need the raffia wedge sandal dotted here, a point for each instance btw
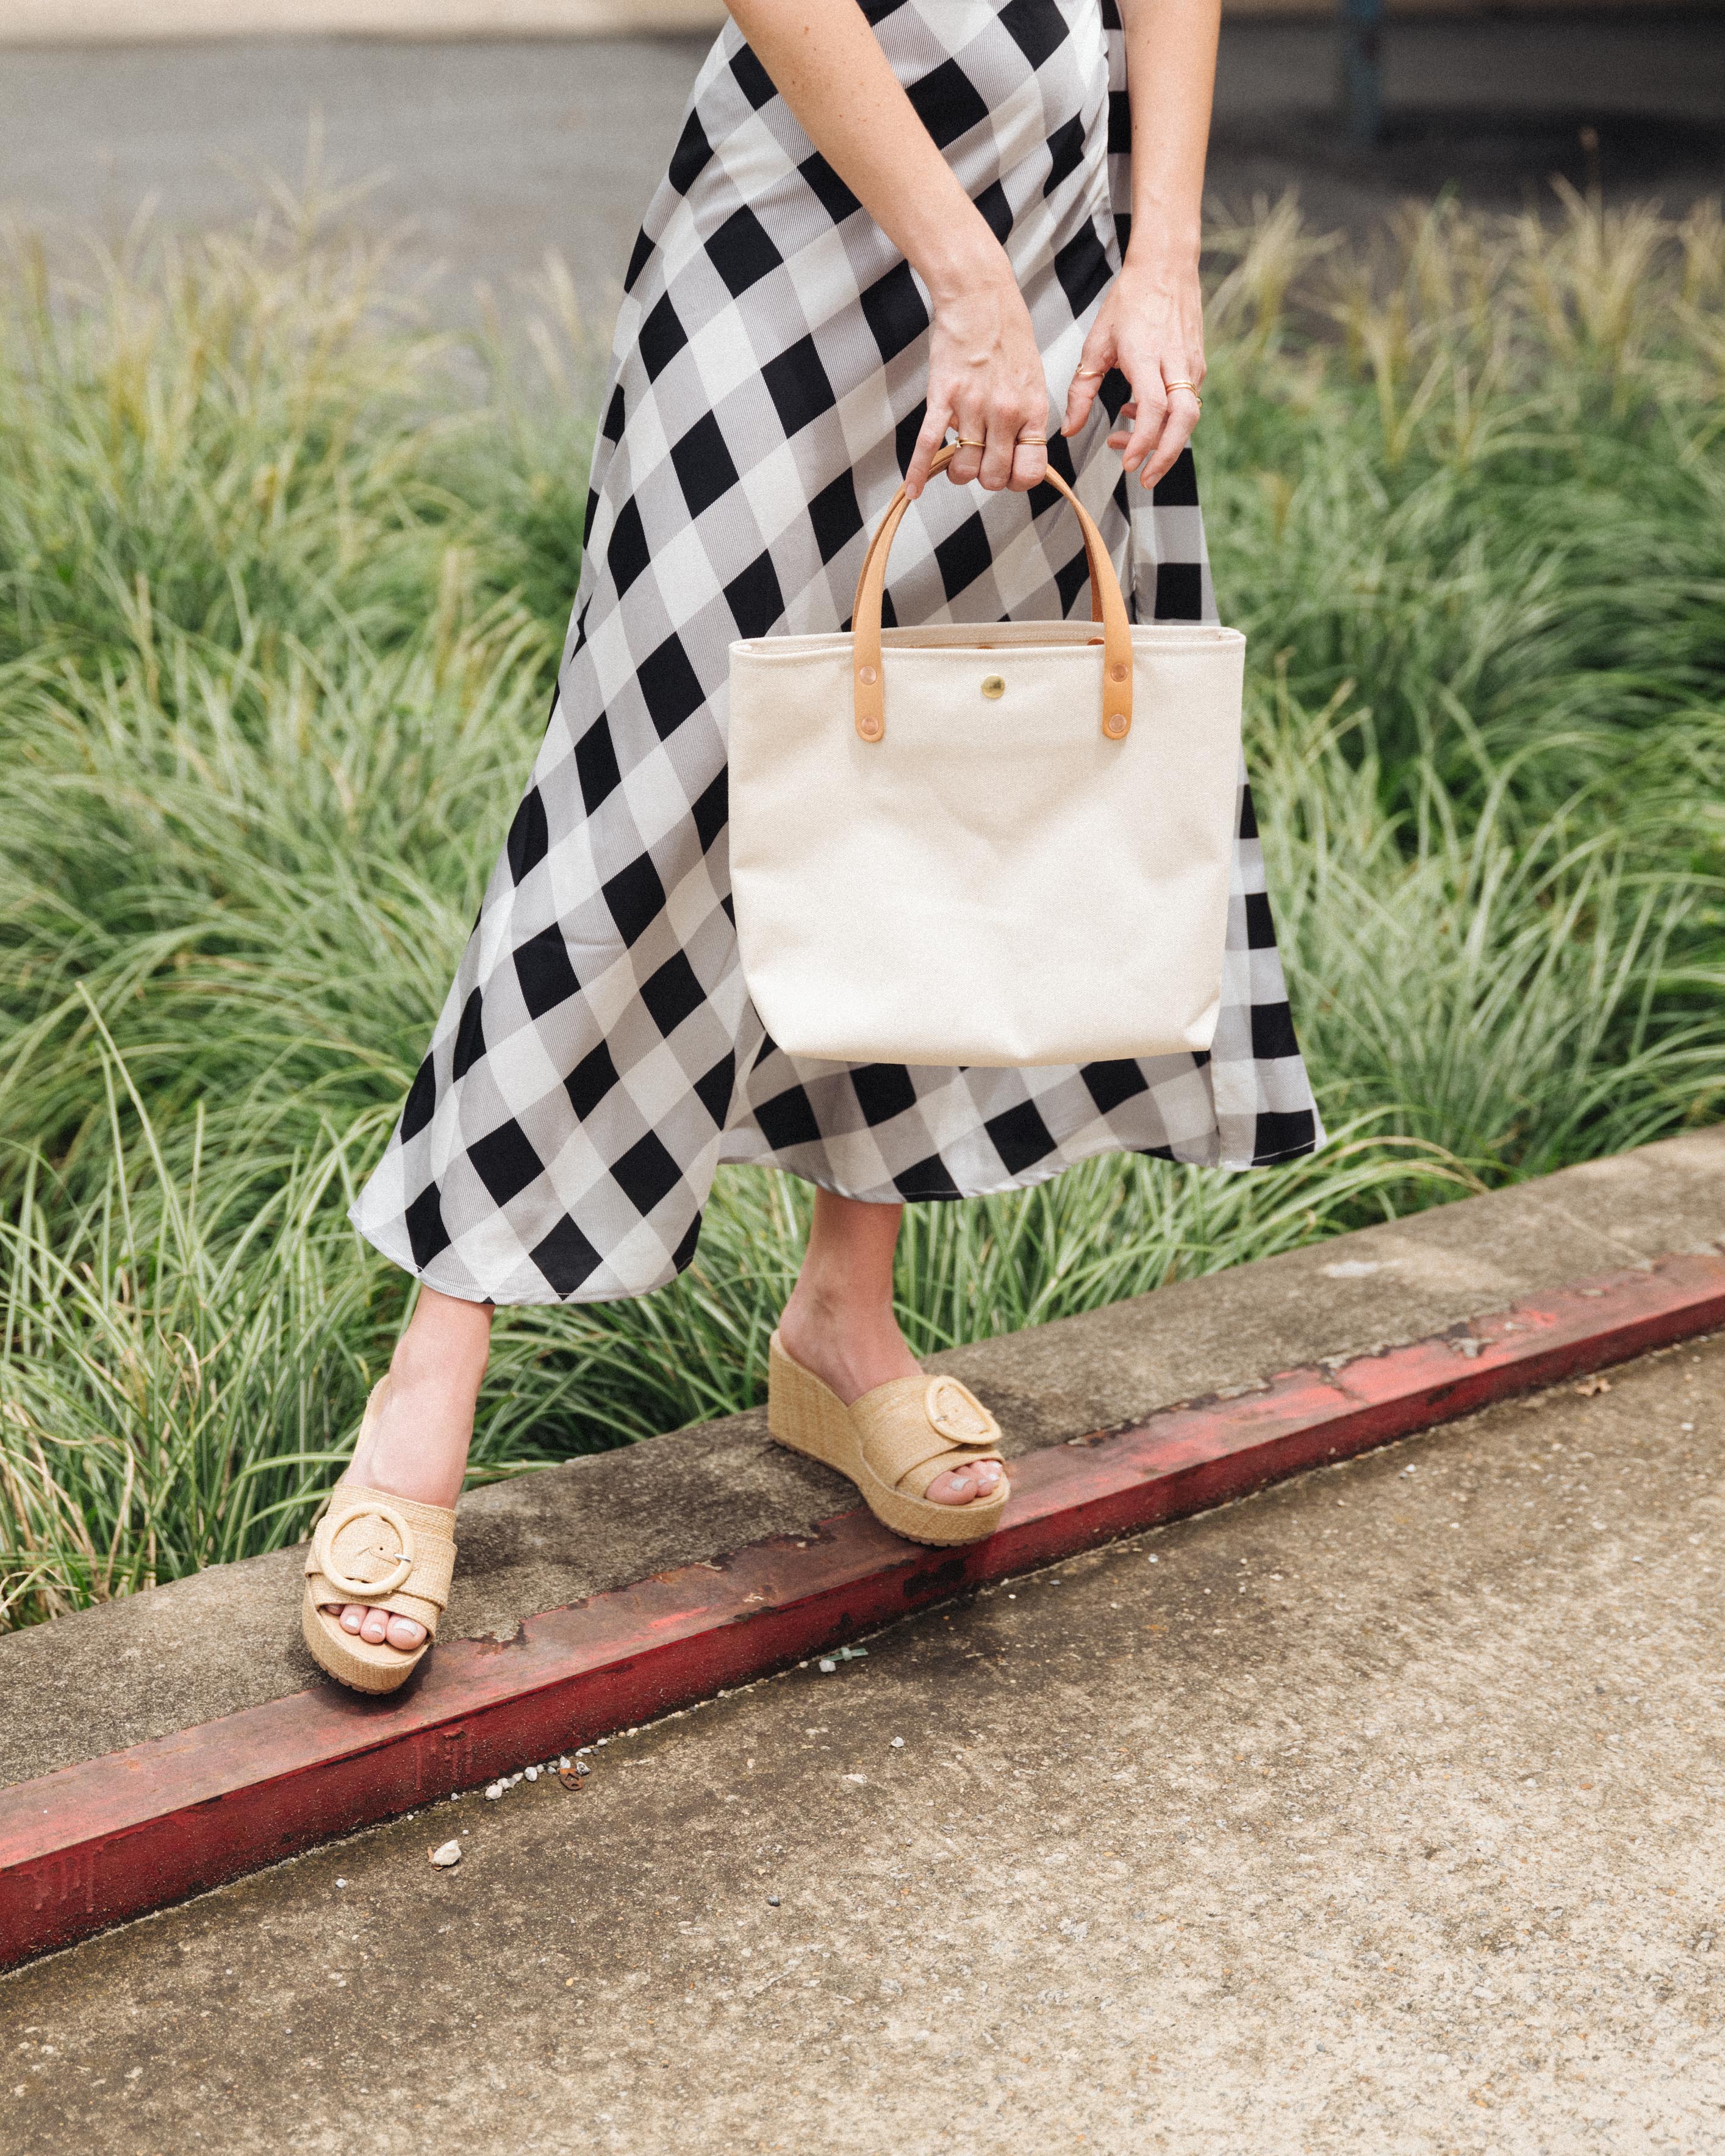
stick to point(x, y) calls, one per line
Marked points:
point(386, 1553)
point(892, 1443)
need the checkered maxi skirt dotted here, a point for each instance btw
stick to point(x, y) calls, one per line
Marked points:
point(598, 1056)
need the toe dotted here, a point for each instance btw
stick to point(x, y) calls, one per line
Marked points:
point(962, 1485)
point(405, 1634)
point(956, 1486)
point(352, 1617)
point(376, 1624)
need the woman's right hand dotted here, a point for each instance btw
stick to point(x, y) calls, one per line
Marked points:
point(986, 383)
point(985, 375)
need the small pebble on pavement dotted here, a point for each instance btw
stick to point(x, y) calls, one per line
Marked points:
point(450, 1854)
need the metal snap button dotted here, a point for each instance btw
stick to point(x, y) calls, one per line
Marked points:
point(1116, 672)
point(1115, 725)
point(993, 686)
point(865, 673)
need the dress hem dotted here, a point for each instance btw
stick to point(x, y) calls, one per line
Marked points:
point(551, 1300)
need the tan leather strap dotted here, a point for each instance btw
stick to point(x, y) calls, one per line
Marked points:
point(943, 457)
point(868, 682)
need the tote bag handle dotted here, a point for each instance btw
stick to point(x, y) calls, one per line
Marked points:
point(1106, 604)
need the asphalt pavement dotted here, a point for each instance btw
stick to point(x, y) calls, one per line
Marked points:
point(1381, 1812)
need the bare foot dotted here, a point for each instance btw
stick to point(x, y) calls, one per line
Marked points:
point(854, 1354)
point(417, 1447)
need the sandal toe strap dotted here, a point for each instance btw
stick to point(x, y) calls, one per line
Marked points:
point(914, 1429)
point(419, 1608)
point(383, 1553)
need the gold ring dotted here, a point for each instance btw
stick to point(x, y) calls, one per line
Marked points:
point(1191, 386)
point(1089, 373)
point(1030, 439)
point(963, 444)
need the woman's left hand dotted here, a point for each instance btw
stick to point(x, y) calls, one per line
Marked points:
point(1150, 325)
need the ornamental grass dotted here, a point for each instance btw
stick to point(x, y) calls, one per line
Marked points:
point(284, 577)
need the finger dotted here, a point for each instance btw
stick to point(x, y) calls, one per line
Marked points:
point(1121, 432)
point(1030, 463)
point(932, 433)
point(1094, 362)
point(997, 457)
point(1152, 401)
point(968, 460)
point(1183, 410)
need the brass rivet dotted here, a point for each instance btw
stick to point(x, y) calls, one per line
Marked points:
point(1115, 725)
point(1116, 672)
point(993, 686)
point(865, 673)
point(870, 729)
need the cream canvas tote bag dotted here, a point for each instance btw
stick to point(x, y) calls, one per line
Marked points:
point(1005, 844)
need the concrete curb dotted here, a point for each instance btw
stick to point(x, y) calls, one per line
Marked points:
point(111, 1838)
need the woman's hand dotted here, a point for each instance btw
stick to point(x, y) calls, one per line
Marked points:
point(985, 373)
point(985, 382)
point(1150, 325)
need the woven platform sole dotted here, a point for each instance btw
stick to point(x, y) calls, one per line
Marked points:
point(353, 1661)
point(805, 1415)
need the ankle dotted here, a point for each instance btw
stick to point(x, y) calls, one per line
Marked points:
point(445, 1348)
point(834, 1302)
point(851, 1341)
point(419, 1444)
point(453, 1377)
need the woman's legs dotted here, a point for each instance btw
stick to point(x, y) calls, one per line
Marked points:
point(419, 1444)
point(839, 1321)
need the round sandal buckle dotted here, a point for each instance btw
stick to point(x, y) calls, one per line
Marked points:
point(344, 1583)
point(956, 1412)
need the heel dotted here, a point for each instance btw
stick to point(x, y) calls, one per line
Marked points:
point(806, 1415)
point(892, 1443)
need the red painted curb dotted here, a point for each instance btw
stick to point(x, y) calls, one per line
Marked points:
point(114, 1837)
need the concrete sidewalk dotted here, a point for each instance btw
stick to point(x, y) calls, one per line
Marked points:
point(1380, 1813)
point(227, 1639)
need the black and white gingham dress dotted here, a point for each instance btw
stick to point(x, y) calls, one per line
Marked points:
point(598, 1056)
